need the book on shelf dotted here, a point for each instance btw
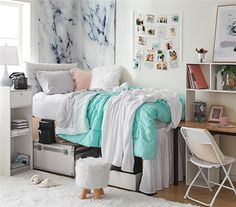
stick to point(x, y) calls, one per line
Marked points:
point(19, 121)
point(197, 80)
point(18, 132)
point(191, 79)
point(20, 169)
point(21, 163)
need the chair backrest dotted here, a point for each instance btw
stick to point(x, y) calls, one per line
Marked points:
point(202, 144)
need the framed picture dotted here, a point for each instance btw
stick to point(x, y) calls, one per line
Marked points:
point(216, 113)
point(225, 34)
point(200, 111)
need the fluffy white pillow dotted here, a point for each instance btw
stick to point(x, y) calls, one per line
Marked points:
point(55, 82)
point(106, 77)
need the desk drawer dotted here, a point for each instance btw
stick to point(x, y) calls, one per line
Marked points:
point(21, 99)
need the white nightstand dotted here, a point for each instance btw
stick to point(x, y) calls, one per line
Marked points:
point(14, 104)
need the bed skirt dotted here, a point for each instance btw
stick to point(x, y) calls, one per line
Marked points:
point(157, 174)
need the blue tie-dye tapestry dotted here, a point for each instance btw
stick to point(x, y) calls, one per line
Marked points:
point(80, 31)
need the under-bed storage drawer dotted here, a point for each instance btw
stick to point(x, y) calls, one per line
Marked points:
point(58, 158)
point(125, 180)
point(21, 98)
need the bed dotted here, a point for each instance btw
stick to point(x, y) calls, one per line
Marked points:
point(157, 167)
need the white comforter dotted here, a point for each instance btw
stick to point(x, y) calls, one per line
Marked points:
point(117, 145)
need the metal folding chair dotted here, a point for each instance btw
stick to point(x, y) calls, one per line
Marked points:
point(202, 137)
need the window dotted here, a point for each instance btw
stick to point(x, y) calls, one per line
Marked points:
point(15, 29)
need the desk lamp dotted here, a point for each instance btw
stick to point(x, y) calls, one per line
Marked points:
point(8, 56)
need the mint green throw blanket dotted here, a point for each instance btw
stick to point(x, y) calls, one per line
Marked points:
point(144, 127)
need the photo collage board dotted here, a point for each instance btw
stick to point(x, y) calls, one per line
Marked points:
point(157, 40)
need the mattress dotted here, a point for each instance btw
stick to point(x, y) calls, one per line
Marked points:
point(47, 106)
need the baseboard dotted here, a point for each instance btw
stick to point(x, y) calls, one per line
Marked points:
point(232, 177)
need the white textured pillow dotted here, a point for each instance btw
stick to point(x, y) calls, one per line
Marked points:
point(106, 77)
point(33, 68)
point(55, 82)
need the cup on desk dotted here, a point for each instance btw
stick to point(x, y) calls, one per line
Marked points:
point(224, 121)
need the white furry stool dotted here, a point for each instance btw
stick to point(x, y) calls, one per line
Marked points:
point(92, 173)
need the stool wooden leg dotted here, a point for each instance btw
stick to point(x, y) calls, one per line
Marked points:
point(84, 193)
point(97, 193)
point(101, 191)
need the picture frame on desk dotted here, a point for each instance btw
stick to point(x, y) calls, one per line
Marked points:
point(200, 111)
point(225, 32)
point(216, 113)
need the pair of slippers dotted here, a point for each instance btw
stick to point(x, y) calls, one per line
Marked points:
point(43, 183)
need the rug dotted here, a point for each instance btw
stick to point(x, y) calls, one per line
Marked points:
point(17, 191)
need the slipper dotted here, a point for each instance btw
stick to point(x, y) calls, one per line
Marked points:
point(47, 183)
point(36, 179)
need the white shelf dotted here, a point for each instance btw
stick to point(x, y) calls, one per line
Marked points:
point(15, 104)
point(21, 134)
point(211, 91)
point(23, 106)
point(223, 91)
point(200, 90)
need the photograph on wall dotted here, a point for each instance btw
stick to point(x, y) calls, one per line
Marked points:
point(161, 65)
point(159, 36)
point(139, 54)
point(150, 18)
point(149, 57)
point(162, 19)
point(151, 30)
point(225, 34)
point(142, 40)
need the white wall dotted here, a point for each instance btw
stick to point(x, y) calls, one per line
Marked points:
point(197, 31)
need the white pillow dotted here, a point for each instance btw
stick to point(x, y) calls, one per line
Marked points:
point(106, 77)
point(55, 82)
point(33, 68)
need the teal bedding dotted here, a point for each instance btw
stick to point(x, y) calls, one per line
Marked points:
point(144, 127)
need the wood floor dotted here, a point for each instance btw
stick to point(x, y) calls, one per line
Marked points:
point(226, 198)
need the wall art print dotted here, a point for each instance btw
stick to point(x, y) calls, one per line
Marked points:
point(157, 40)
point(225, 34)
point(80, 31)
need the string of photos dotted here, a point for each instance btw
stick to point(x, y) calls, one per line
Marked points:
point(156, 40)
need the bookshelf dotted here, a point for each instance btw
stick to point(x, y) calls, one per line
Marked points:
point(211, 96)
point(17, 143)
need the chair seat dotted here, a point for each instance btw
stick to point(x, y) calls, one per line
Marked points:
point(205, 164)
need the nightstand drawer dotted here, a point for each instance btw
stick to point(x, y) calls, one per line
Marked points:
point(21, 98)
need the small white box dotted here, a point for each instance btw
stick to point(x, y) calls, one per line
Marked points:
point(125, 180)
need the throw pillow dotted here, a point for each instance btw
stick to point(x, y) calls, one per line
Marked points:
point(55, 82)
point(106, 77)
point(81, 78)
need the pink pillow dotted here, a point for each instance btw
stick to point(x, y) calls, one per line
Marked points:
point(82, 79)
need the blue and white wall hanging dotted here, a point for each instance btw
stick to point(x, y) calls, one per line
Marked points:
point(80, 31)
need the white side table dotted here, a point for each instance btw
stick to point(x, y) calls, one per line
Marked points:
point(14, 104)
